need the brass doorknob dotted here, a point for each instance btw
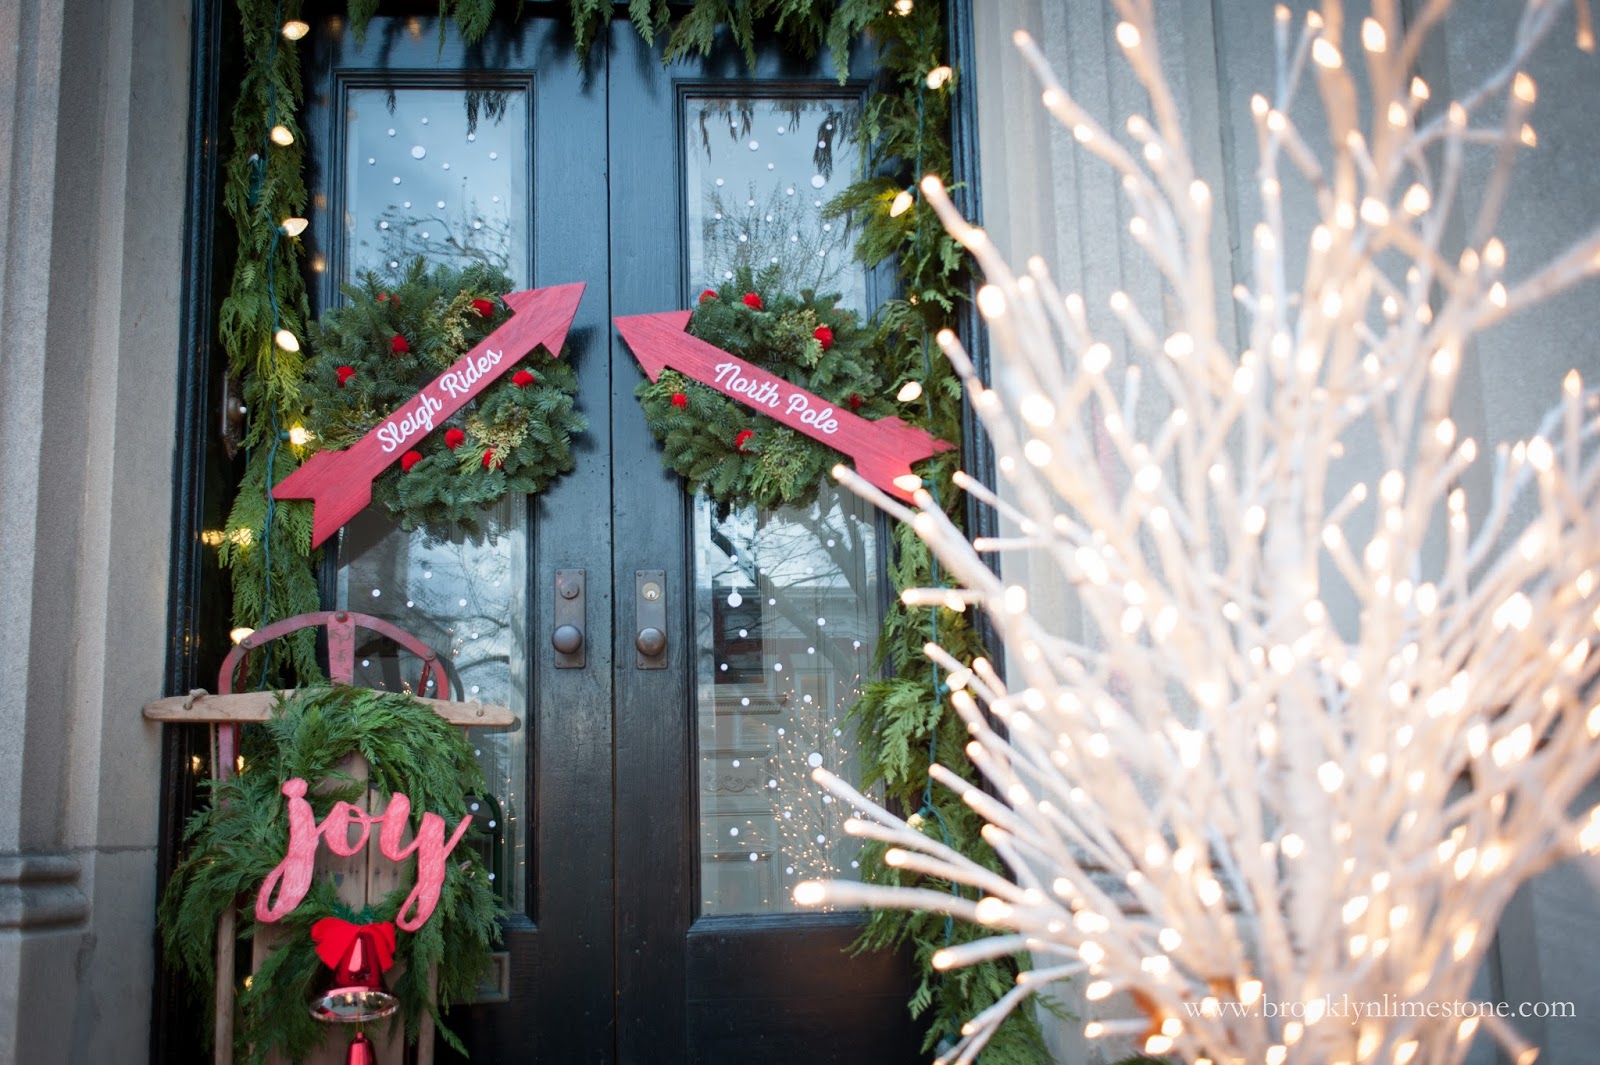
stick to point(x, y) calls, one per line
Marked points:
point(567, 638)
point(650, 641)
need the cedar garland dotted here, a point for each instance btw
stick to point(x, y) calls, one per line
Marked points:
point(905, 720)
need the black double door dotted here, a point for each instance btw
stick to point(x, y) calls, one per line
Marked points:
point(615, 952)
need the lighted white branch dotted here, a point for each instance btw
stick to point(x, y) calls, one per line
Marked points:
point(1222, 790)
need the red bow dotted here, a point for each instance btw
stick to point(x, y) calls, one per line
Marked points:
point(336, 940)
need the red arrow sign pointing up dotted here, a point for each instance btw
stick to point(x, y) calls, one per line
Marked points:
point(339, 483)
point(882, 449)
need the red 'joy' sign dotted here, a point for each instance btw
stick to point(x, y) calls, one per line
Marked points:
point(339, 483)
point(882, 449)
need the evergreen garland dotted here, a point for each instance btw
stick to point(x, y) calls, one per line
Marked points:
point(743, 458)
point(389, 340)
point(905, 720)
point(241, 838)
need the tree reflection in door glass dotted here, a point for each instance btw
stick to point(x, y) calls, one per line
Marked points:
point(787, 616)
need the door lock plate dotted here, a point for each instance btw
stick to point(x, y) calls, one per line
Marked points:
point(650, 618)
point(566, 621)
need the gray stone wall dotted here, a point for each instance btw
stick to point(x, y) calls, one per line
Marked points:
point(1040, 196)
point(93, 99)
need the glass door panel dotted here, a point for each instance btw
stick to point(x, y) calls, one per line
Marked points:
point(443, 173)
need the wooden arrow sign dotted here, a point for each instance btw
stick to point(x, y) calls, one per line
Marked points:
point(883, 450)
point(339, 483)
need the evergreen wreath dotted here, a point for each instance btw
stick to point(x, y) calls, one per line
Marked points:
point(743, 458)
point(240, 839)
point(387, 342)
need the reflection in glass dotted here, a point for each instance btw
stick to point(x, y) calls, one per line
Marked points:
point(442, 173)
point(786, 616)
point(759, 173)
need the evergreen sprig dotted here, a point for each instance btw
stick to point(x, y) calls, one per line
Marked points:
point(700, 429)
point(232, 847)
point(391, 338)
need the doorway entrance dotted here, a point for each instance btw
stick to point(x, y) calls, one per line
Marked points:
point(652, 810)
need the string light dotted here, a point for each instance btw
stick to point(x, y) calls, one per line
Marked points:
point(293, 227)
point(1223, 671)
point(281, 136)
point(902, 7)
point(909, 392)
point(902, 203)
point(286, 340)
point(298, 435)
point(938, 76)
point(240, 634)
point(294, 29)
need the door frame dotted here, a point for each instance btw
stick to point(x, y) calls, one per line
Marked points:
point(203, 476)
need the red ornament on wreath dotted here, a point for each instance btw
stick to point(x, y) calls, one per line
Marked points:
point(484, 308)
point(399, 345)
point(454, 438)
point(680, 400)
point(824, 336)
point(522, 379)
point(344, 374)
point(743, 438)
point(410, 459)
point(753, 301)
point(708, 294)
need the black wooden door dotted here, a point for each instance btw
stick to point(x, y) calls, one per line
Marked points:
point(645, 927)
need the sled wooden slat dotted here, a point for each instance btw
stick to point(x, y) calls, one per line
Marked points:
point(247, 707)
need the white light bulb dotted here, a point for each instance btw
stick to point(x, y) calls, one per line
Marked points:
point(902, 203)
point(294, 29)
point(281, 136)
point(293, 227)
point(938, 76)
point(286, 340)
point(909, 391)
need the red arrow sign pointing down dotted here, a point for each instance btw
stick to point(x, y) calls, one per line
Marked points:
point(339, 483)
point(882, 449)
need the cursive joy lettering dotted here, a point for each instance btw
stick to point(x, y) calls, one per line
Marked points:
point(459, 382)
point(730, 380)
point(292, 877)
point(419, 419)
point(823, 419)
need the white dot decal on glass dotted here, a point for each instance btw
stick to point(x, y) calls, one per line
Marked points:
point(822, 253)
point(406, 204)
point(371, 161)
point(474, 636)
point(478, 752)
point(755, 146)
point(789, 191)
point(365, 663)
point(856, 644)
point(396, 179)
point(772, 166)
point(383, 225)
point(494, 199)
point(822, 144)
point(777, 667)
point(410, 603)
point(427, 574)
point(736, 763)
point(734, 599)
point(772, 602)
point(719, 183)
point(789, 869)
point(491, 876)
point(440, 205)
point(424, 234)
point(772, 782)
point(393, 263)
point(827, 125)
point(774, 258)
point(494, 155)
point(782, 731)
point(811, 650)
point(492, 824)
point(461, 602)
point(494, 583)
point(723, 667)
point(827, 799)
point(717, 216)
point(827, 227)
point(733, 831)
point(474, 807)
point(821, 838)
point(782, 130)
point(816, 203)
point(424, 120)
point(418, 151)
point(376, 592)
point(855, 865)
point(745, 701)
point(391, 132)
point(744, 632)
point(813, 759)
point(836, 732)
point(727, 275)
point(447, 166)
point(749, 203)
point(743, 238)
point(806, 698)
point(477, 225)
point(794, 238)
point(754, 857)
point(787, 816)
point(474, 688)
point(824, 621)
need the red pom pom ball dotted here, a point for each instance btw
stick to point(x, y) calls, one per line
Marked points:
point(753, 301)
point(484, 307)
point(824, 336)
point(680, 400)
point(345, 373)
point(522, 379)
point(743, 438)
point(454, 438)
point(410, 459)
point(708, 294)
point(399, 344)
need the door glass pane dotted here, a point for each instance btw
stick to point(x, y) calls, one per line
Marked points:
point(786, 601)
point(443, 173)
point(440, 173)
point(760, 172)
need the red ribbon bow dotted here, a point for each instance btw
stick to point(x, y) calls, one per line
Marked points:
point(337, 940)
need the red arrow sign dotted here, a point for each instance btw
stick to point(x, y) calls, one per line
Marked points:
point(339, 483)
point(882, 449)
